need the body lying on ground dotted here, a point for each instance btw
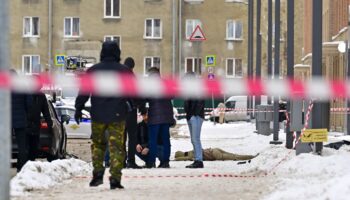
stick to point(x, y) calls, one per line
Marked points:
point(212, 154)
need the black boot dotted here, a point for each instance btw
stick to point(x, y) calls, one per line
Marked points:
point(150, 165)
point(97, 179)
point(164, 164)
point(196, 164)
point(114, 183)
point(132, 165)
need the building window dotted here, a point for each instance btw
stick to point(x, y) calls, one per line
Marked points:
point(191, 24)
point(116, 38)
point(112, 8)
point(194, 65)
point(234, 68)
point(151, 62)
point(153, 29)
point(31, 64)
point(237, 1)
point(71, 27)
point(234, 30)
point(194, 1)
point(31, 27)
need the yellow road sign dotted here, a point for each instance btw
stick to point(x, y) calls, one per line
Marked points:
point(314, 135)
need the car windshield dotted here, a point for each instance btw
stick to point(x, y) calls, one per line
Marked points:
point(64, 111)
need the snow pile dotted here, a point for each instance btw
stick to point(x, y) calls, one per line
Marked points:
point(309, 176)
point(43, 175)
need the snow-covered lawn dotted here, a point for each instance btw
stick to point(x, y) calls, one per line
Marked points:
point(305, 176)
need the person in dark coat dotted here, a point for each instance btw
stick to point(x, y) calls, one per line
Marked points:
point(39, 105)
point(20, 105)
point(159, 118)
point(194, 109)
point(108, 113)
point(131, 125)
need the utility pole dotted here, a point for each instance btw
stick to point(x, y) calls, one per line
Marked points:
point(276, 126)
point(258, 46)
point(258, 54)
point(5, 116)
point(290, 64)
point(173, 69)
point(318, 118)
point(250, 47)
point(269, 44)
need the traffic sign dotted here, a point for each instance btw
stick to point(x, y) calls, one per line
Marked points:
point(197, 34)
point(210, 61)
point(60, 60)
point(211, 76)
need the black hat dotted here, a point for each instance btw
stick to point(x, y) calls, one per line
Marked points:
point(129, 62)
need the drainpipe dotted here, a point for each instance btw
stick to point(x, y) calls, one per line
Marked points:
point(174, 39)
point(348, 73)
point(180, 36)
point(50, 37)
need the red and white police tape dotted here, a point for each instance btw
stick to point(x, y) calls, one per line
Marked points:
point(107, 84)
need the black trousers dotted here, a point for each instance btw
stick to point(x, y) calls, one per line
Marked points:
point(33, 144)
point(131, 134)
point(22, 143)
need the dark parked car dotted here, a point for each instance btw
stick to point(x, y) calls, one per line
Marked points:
point(52, 143)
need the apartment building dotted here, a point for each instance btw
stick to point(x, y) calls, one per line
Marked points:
point(153, 32)
point(41, 29)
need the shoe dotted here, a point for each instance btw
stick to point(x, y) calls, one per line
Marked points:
point(107, 164)
point(114, 183)
point(132, 165)
point(196, 164)
point(150, 165)
point(164, 164)
point(97, 179)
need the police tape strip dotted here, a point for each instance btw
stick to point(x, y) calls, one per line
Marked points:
point(107, 84)
point(335, 109)
point(307, 119)
point(185, 176)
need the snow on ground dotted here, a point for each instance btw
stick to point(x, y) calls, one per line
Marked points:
point(43, 175)
point(306, 176)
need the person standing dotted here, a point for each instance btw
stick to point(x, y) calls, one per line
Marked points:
point(159, 119)
point(20, 105)
point(131, 125)
point(194, 109)
point(108, 113)
point(39, 105)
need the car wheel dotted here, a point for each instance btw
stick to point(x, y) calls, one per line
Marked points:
point(51, 157)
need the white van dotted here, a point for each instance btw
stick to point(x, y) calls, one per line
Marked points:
point(235, 109)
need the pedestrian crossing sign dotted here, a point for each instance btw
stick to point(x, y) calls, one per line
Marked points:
point(60, 60)
point(210, 61)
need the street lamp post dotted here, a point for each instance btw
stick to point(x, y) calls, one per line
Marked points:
point(276, 127)
point(318, 117)
point(290, 63)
